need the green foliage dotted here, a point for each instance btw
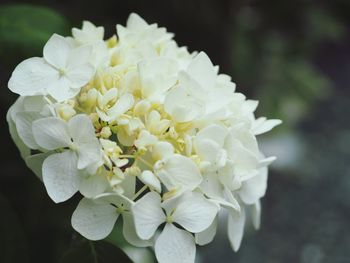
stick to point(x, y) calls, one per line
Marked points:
point(94, 252)
point(24, 29)
point(272, 56)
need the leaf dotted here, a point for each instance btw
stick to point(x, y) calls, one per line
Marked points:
point(95, 252)
point(24, 29)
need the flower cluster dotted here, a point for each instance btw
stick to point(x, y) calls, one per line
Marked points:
point(144, 130)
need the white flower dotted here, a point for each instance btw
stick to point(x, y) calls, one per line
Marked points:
point(178, 171)
point(60, 73)
point(111, 107)
point(157, 76)
point(196, 95)
point(95, 218)
point(80, 150)
point(138, 32)
point(192, 212)
point(89, 34)
point(143, 129)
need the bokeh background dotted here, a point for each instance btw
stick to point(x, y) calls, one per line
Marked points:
point(294, 56)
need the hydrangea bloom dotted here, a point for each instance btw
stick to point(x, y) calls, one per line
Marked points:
point(145, 131)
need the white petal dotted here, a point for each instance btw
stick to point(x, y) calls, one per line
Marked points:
point(145, 139)
point(60, 176)
point(149, 179)
point(34, 103)
point(235, 229)
point(267, 161)
point(211, 186)
point(32, 76)
point(61, 89)
point(181, 106)
point(262, 125)
point(135, 22)
point(81, 128)
point(80, 76)
point(35, 163)
point(202, 70)
point(117, 200)
point(179, 170)
point(128, 184)
point(253, 189)
point(207, 150)
point(123, 104)
point(162, 150)
point(213, 132)
point(207, 235)
point(24, 122)
point(79, 56)
point(94, 221)
point(57, 51)
point(255, 211)
point(175, 245)
point(51, 133)
point(246, 162)
point(90, 155)
point(24, 150)
point(157, 76)
point(129, 232)
point(93, 185)
point(195, 213)
point(148, 215)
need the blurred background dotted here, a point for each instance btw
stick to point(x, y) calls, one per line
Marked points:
point(293, 56)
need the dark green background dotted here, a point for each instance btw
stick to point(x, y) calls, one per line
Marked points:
point(294, 56)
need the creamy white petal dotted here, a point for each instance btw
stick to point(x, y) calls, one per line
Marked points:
point(116, 199)
point(202, 70)
point(181, 106)
point(93, 185)
point(175, 245)
point(23, 149)
point(207, 235)
point(149, 179)
point(61, 89)
point(24, 122)
point(235, 228)
point(255, 212)
point(51, 133)
point(157, 76)
point(80, 76)
point(129, 232)
point(267, 161)
point(32, 76)
point(89, 154)
point(128, 184)
point(195, 213)
point(262, 125)
point(94, 221)
point(57, 51)
point(79, 57)
point(179, 170)
point(81, 129)
point(207, 150)
point(148, 215)
point(253, 189)
point(123, 104)
point(213, 132)
point(135, 22)
point(60, 176)
point(35, 163)
point(162, 150)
